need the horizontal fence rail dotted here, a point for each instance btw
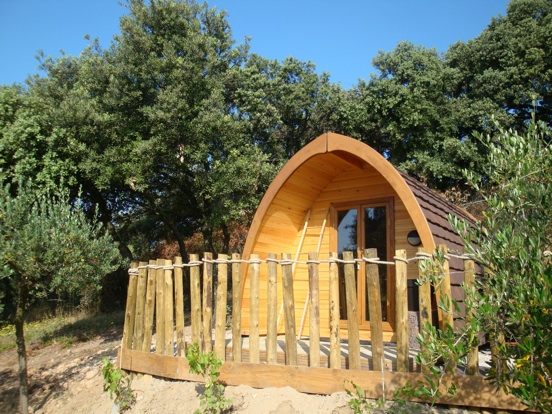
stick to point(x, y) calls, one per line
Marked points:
point(171, 304)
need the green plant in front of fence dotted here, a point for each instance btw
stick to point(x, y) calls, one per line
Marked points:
point(438, 344)
point(513, 300)
point(358, 401)
point(212, 401)
point(118, 383)
point(441, 349)
point(360, 404)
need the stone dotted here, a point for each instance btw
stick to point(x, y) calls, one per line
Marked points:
point(285, 408)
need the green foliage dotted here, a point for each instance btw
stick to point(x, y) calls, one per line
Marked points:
point(422, 107)
point(360, 404)
point(49, 245)
point(118, 383)
point(513, 300)
point(212, 401)
point(442, 349)
point(358, 401)
point(156, 143)
point(407, 114)
point(30, 149)
point(438, 345)
point(508, 64)
point(286, 104)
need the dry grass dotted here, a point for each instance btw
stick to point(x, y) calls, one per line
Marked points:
point(64, 329)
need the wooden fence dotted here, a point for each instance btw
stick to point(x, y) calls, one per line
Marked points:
point(161, 321)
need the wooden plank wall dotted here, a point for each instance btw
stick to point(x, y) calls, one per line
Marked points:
point(156, 301)
point(311, 192)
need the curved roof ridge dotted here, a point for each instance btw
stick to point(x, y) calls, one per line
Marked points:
point(427, 208)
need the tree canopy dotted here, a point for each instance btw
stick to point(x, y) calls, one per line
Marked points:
point(175, 130)
point(407, 114)
point(48, 244)
point(509, 63)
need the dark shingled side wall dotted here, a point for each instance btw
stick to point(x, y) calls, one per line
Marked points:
point(436, 210)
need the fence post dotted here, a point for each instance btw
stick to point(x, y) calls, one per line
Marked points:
point(272, 311)
point(254, 309)
point(169, 309)
point(289, 311)
point(424, 299)
point(159, 308)
point(140, 305)
point(374, 304)
point(236, 308)
point(424, 293)
point(130, 313)
point(207, 302)
point(314, 312)
point(352, 311)
point(446, 297)
point(195, 298)
point(222, 296)
point(150, 307)
point(469, 280)
point(445, 292)
point(401, 312)
point(179, 307)
point(335, 354)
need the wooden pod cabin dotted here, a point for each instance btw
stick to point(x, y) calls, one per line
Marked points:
point(339, 194)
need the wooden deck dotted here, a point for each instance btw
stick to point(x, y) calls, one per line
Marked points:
point(303, 349)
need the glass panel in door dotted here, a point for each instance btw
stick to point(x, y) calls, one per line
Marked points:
point(347, 240)
point(375, 237)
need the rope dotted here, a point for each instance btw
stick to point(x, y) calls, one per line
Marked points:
point(401, 259)
point(286, 262)
point(241, 261)
point(376, 260)
point(423, 256)
point(461, 256)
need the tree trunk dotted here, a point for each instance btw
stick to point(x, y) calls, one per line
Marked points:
point(123, 248)
point(208, 241)
point(226, 238)
point(21, 351)
point(179, 240)
point(105, 216)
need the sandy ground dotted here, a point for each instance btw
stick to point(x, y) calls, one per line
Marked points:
point(69, 381)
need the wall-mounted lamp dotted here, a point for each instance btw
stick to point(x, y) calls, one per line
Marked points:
point(414, 238)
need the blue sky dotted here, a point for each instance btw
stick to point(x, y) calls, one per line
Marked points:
point(340, 37)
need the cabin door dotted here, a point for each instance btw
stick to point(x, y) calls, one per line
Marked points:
point(361, 226)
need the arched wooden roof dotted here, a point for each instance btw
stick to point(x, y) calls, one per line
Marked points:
point(427, 209)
